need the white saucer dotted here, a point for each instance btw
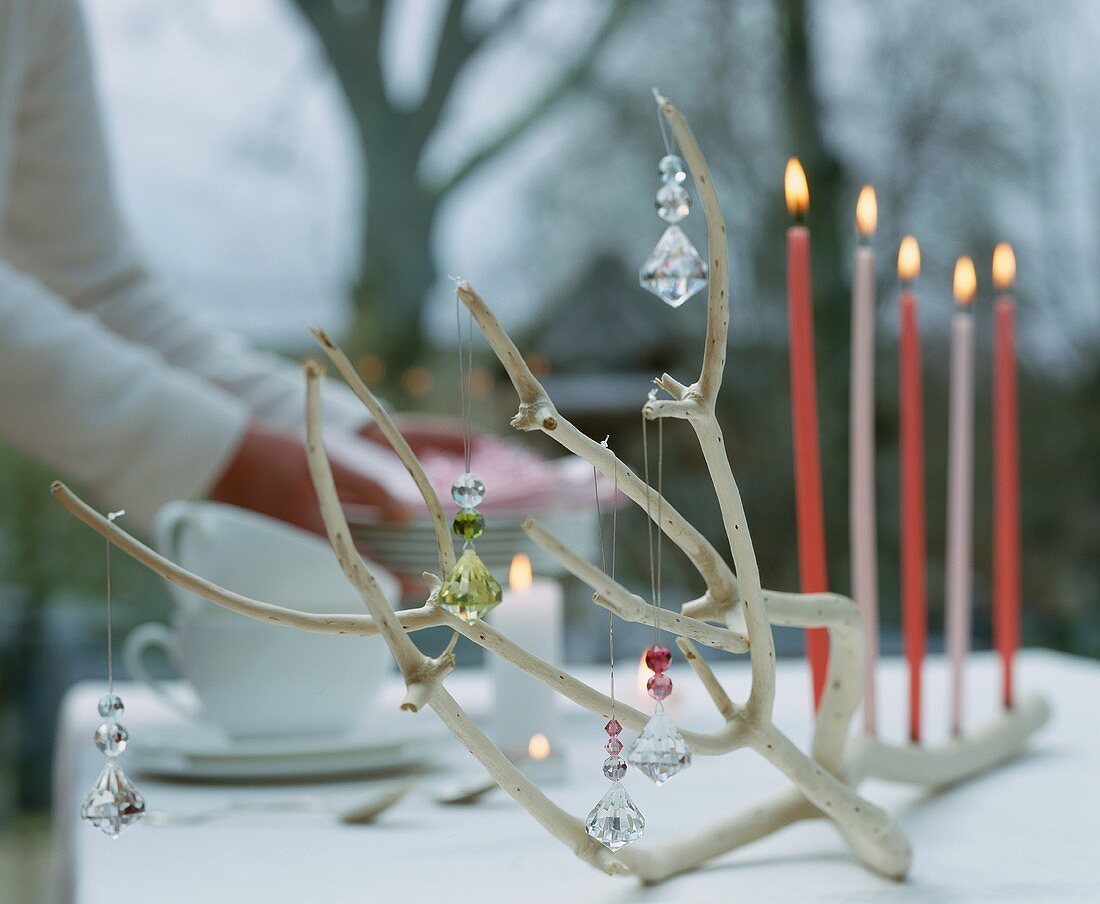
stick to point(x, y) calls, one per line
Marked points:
point(200, 751)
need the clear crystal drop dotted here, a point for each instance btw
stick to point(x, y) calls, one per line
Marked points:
point(113, 803)
point(671, 168)
point(616, 820)
point(468, 491)
point(675, 270)
point(111, 738)
point(614, 767)
point(673, 202)
point(471, 590)
point(660, 751)
point(110, 706)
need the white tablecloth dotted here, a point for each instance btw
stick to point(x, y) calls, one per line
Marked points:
point(1028, 832)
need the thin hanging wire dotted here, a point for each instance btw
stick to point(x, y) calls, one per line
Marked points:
point(110, 614)
point(660, 506)
point(654, 588)
point(603, 557)
point(465, 378)
point(666, 133)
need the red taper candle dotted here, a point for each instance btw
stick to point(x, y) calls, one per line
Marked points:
point(813, 574)
point(1006, 472)
point(914, 603)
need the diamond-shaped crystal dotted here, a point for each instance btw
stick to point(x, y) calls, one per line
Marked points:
point(616, 820)
point(660, 751)
point(471, 590)
point(675, 270)
point(113, 803)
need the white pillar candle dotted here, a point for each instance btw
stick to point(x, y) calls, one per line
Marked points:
point(960, 484)
point(531, 616)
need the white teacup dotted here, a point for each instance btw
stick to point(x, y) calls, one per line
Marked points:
point(251, 678)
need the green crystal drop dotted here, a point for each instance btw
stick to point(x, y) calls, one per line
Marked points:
point(471, 590)
point(468, 524)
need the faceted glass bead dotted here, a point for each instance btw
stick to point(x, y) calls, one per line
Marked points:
point(675, 270)
point(614, 746)
point(613, 727)
point(110, 706)
point(111, 738)
point(469, 524)
point(658, 658)
point(659, 686)
point(616, 820)
point(471, 590)
point(468, 491)
point(614, 767)
point(113, 803)
point(671, 168)
point(673, 202)
point(660, 751)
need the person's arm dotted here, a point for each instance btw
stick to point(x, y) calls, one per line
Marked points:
point(63, 226)
point(106, 412)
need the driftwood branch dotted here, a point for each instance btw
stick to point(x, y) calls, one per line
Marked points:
point(612, 595)
point(400, 446)
point(825, 781)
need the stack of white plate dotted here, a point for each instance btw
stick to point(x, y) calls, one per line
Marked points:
point(408, 549)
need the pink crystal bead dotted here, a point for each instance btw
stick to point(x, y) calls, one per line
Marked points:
point(613, 746)
point(659, 686)
point(613, 727)
point(658, 658)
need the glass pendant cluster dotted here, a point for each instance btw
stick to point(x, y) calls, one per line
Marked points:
point(616, 820)
point(113, 804)
point(674, 270)
point(470, 590)
point(660, 751)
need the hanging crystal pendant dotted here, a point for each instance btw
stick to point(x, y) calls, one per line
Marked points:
point(675, 270)
point(114, 803)
point(471, 590)
point(616, 820)
point(660, 751)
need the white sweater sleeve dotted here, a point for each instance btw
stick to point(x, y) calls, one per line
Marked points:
point(104, 411)
point(63, 226)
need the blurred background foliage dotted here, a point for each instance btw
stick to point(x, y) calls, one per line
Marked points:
point(345, 156)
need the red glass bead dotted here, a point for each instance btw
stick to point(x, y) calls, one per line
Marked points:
point(659, 686)
point(658, 658)
point(613, 727)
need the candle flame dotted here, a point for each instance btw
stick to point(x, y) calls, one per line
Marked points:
point(908, 259)
point(796, 189)
point(1004, 266)
point(966, 280)
point(519, 575)
point(538, 748)
point(866, 212)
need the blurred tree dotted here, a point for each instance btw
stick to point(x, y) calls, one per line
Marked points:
point(400, 205)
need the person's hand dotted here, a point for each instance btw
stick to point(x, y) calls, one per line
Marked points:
point(422, 432)
point(269, 474)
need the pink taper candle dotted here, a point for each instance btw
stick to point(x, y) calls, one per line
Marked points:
point(1006, 473)
point(810, 520)
point(861, 468)
point(960, 486)
point(914, 601)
